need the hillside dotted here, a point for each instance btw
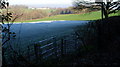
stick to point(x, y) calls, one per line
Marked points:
point(86, 16)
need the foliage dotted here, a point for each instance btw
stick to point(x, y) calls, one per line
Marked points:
point(36, 13)
point(108, 31)
point(86, 35)
point(102, 42)
point(61, 11)
point(27, 14)
point(102, 34)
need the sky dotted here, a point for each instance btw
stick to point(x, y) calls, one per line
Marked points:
point(43, 3)
point(31, 2)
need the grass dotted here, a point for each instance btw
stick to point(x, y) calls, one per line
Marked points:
point(86, 16)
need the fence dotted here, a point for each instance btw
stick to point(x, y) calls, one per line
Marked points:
point(51, 48)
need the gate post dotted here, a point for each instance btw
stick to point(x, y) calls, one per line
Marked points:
point(36, 52)
point(55, 46)
point(62, 42)
point(28, 53)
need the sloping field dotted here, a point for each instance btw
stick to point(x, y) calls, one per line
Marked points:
point(86, 16)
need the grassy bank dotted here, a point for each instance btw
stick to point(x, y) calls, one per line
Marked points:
point(86, 16)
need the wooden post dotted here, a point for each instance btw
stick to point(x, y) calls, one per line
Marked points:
point(36, 52)
point(55, 46)
point(39, 53)
point(28, 53)
point(62, 42)
point(102, 10)
point(76, 43)
point(64, 46)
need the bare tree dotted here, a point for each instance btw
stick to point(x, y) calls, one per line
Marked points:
point(107, 7)
point(82, 4)
point(6, 20)
point(10, 56)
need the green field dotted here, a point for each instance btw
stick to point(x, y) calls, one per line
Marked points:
point(86, 16)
